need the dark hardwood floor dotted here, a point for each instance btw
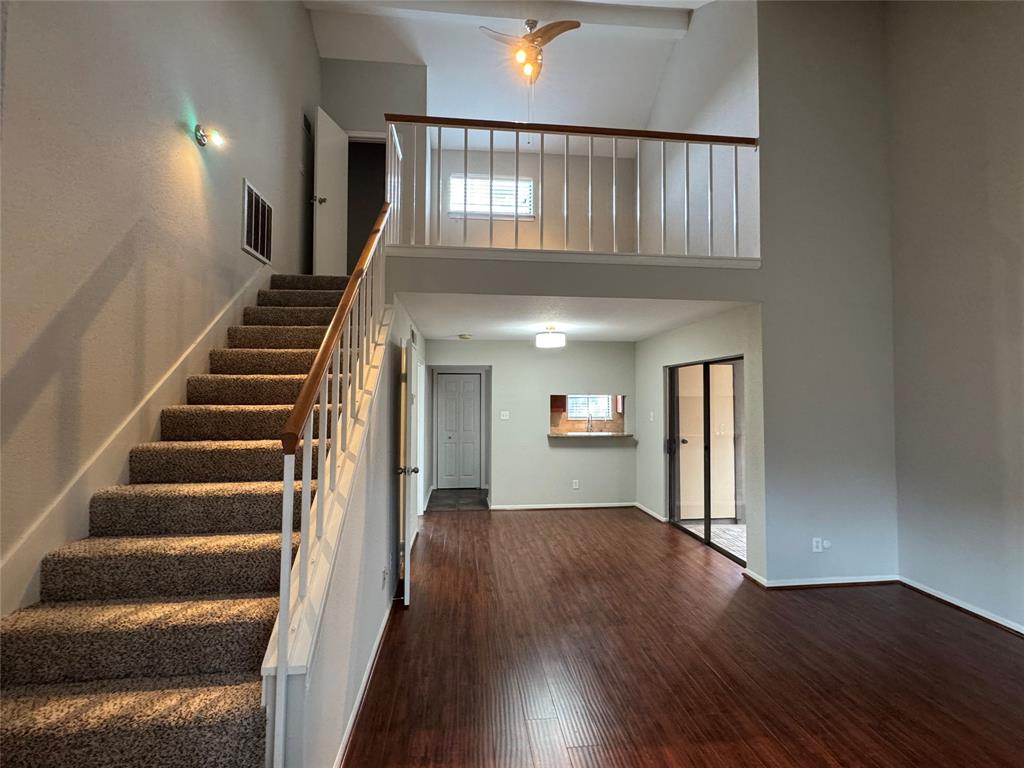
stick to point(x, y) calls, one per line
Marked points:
point(604, 638)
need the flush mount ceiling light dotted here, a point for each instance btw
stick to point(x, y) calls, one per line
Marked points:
point(550, 339)
point(528, 53)
point(465, 336)
point(204, 136)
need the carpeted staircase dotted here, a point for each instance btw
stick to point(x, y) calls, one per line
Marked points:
point(146, 647)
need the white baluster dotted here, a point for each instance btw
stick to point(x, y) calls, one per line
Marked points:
point(663, 224)
point(735, 201)
point(711, 200)
point(615, 196)
point(540, 194)
point(638, 197)
point(490, 187)
point(686, 198)
point(307, 487)
point(465, 184)
point(590, 193)
point(565, 196)
point(321, 459)
point(515, 197)
point(284, 608)
point(335, 396)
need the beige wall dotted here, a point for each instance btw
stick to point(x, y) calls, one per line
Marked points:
point(957, 119)
point(120, 235)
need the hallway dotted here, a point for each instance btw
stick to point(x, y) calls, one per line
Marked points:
point(598, 637)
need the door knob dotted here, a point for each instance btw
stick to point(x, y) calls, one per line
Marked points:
point(415, 470)
point(684, 441)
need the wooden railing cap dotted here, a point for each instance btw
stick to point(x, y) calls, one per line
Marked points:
point(310, 390)
point(574, 130)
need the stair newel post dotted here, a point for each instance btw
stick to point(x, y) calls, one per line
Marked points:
point(335, 395)
point(307, 487)
point(321, 458)
point(284, 608)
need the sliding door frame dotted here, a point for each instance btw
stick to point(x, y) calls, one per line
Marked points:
point(672, 449)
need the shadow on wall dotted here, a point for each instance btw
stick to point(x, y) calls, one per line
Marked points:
point(59, 357)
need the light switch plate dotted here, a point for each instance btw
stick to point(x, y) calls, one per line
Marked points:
point(504, 415)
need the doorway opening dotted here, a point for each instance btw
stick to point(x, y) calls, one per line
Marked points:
point(367, 163)
point(705, 448)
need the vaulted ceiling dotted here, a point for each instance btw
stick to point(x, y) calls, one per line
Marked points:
point(606, 73)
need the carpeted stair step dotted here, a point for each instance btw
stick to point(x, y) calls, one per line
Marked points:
point(276, 336)
point(92, 640)
point(210, 461)
point(309, 282)
point(227, 422)
point(261, 360)
point(287, 315)
point(243, 389)
point(102, 568)
point(282, 297)
point(159, 509)
point(213, 721)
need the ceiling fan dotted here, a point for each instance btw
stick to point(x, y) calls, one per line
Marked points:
point(528, 47)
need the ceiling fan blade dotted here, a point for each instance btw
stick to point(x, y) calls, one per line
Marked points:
point(549, 32)
point(501, 37)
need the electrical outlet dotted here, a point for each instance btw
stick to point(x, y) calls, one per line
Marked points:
point(816, 544)
point(650, 418)
point(826, 544)
point(384, 578)
point(575, 485)
point(504, 415)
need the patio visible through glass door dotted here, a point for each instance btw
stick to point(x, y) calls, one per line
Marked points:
point(706, 454)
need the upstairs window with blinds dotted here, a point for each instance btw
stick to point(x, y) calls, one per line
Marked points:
point(475, 201)
point(589, 406)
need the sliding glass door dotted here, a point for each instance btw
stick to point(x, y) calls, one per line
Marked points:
point(706, 470)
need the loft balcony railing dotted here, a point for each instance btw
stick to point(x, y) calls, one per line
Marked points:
point(561, 192)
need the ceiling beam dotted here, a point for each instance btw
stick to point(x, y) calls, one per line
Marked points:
point(671, 21)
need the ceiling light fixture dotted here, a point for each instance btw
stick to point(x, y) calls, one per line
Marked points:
point(550, 339)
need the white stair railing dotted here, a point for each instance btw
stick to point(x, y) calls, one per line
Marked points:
point(336, 382)
point(557, 188)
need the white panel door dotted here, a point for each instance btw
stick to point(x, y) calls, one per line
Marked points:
point(330, 198)
point(458, 430)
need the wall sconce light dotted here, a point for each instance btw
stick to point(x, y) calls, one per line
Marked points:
point(204, 136)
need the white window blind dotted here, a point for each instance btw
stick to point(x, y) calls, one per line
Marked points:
point(594, 406)
point(477, 196)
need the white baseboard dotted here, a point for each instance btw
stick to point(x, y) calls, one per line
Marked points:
point(995, 618)
point(650, 512)
point(826, 581)
point(66, 518)
point(426, 499)
point(755, 577)
point(363, 685)
point(587, 505)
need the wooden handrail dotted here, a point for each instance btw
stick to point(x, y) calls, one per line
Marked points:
point(575, 130)
point(311, 386)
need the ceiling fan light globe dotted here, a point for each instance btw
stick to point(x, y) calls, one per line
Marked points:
point(520, 56)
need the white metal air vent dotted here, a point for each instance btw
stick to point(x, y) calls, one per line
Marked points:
point(257, 224)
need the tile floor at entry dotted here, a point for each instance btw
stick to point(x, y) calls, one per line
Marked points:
point(451, 499)
point(603, 638)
